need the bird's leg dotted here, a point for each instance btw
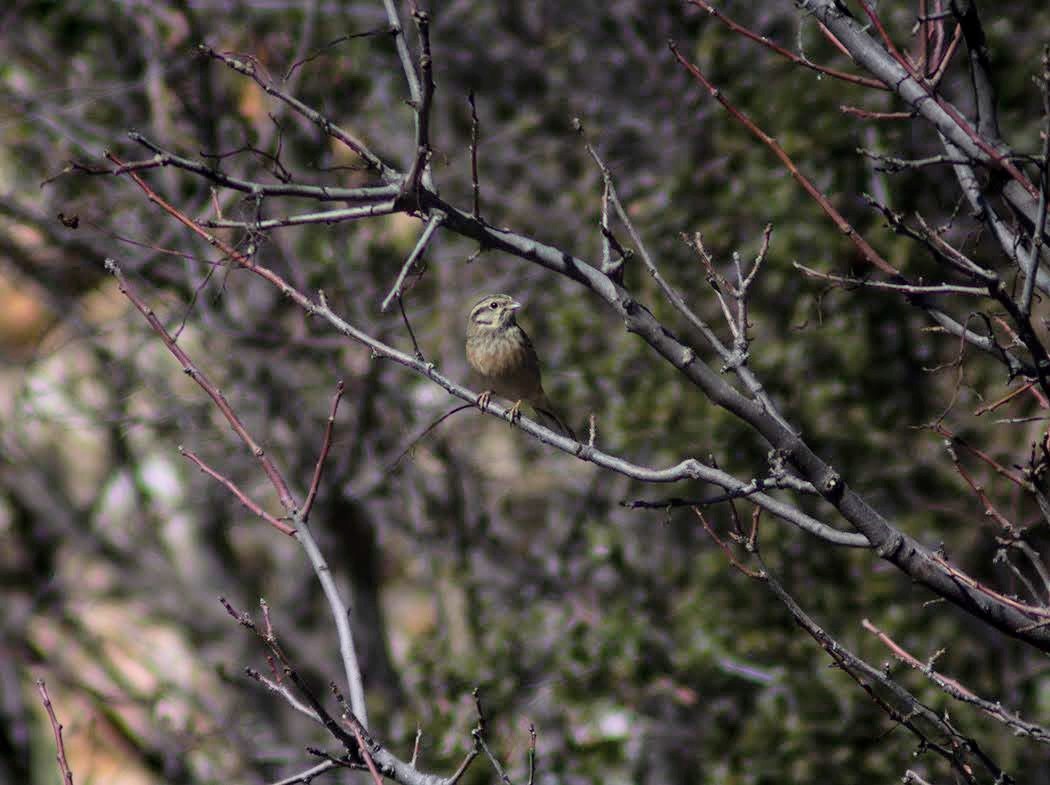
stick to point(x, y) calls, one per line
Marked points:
point(515, 411)
point(483, 399)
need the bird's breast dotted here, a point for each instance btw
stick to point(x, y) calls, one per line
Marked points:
point(503, 363)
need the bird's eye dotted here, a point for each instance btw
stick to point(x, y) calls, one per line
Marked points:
point(493, 306)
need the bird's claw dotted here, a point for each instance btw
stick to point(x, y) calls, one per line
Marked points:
point(515, 412)
point(483, 400)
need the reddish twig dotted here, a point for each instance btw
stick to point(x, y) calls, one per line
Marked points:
point(725, 548)
point(844, 226)
point(989, 509)
point(1004, 163)
point(205, 384)
point(965, 579)
point(834, 40)
point(367, 755)
point(738, 28)
point(867, 114)
point(242, 497)
point(942, 66)
point(998, 467)
point(325, 446)
point(956, 690)
point(900, 653)
point(56, 728)
point(991, 407)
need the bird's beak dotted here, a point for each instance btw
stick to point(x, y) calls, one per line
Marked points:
point(514, 305)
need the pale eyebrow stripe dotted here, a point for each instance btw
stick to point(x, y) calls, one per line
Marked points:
point(480, 306)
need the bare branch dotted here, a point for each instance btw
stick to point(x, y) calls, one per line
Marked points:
point(323, 455)
point(324, 217)
point(413, 258)
point(191, 370)
point(864, 81)
point(961, 693)
point(56, 729)
point(243, 497)
point(249, 69)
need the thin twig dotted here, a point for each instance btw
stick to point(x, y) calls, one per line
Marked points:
point(279, 688)
point(725, 548)
point(421, 103)
point(320, 193)
point(249, 69)
point(973, 291)
point(959, 692)
point(1040, 222)
point(315, 483)
point(367, 756)
point(532, 753)
point(241, 496)
point(56, 729)
point(413, 258)
point(736, 27)
point(475, 131)
point(324, 217)
point(402, 51)
point(408, 326)
point(869, 253)
point(415, 747)
point(306, 777)
point(191, 370)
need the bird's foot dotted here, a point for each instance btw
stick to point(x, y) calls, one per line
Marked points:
point(483, 399)
point(515, 412)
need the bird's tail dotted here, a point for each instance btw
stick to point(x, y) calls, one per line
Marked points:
point(550, 419)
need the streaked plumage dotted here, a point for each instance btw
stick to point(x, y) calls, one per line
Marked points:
point(504, 358)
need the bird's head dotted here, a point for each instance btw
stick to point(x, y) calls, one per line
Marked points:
point(493, 312)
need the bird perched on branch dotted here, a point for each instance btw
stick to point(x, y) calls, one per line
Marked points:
point(505, 359)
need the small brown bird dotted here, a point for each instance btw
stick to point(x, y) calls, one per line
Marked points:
point(505, 359)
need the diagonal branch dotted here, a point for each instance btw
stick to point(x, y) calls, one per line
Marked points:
point(736, 27)
point(248, 68)
point(959, 692)
point(421, 246)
